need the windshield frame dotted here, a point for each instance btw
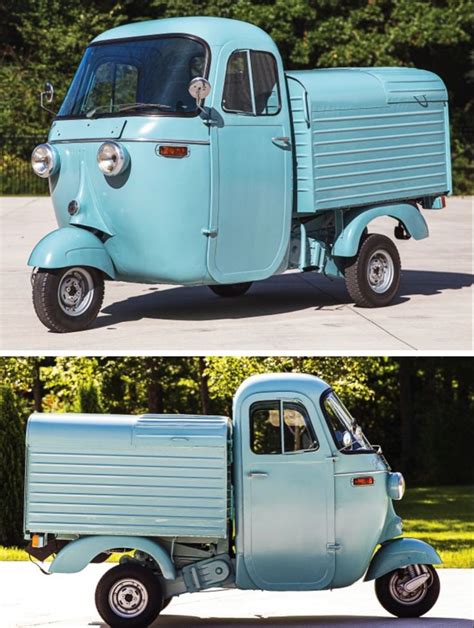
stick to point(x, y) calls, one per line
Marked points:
point(349, 452)
point(126, 114)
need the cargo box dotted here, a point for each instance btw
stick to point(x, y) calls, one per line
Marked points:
point(369, 135)
point(150, 475)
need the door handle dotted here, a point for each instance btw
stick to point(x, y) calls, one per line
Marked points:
point(282, 142)
point(258, 474)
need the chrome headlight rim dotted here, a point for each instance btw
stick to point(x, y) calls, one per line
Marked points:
point(112, 158)
point(47, 156)
point(396, 485)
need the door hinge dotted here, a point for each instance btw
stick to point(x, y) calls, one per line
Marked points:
point(210, 233)
point(333, 547)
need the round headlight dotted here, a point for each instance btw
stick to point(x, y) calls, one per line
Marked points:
point(396, 485)
point(45, 160)
point(112, 158)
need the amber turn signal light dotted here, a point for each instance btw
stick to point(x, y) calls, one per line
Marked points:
point(363, 481)
point(173, 151)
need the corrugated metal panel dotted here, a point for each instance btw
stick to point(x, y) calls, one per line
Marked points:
point(171, 488)
point(379, 156)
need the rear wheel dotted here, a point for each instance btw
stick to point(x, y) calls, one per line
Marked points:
point(129, 596)
point(67, 299)
point(231, 289)
point(373, 276)
point(408, 592)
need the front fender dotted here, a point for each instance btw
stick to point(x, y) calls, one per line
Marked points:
point(356, 220)
point(78, 554)
point(71, 246)
point(399, 553)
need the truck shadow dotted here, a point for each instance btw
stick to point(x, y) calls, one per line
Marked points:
point(277, 295)
point(188, 621)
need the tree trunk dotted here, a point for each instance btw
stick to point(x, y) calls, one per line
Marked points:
point(406, 412)
point(36, 387)
point(203, 386)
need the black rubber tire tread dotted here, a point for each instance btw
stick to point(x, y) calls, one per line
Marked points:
point(45, 289)
point(147, 579)
point(394, 607)
point(231, 289)
point(356, 272)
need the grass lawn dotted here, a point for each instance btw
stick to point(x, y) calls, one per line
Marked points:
point(441, 516)
point(444, 518)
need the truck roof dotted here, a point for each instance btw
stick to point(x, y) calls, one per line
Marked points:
point(308, 385)
point(216, 31)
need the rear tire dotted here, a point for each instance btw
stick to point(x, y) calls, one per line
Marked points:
point(230, 289)
point(67, 299)
point(390, 594)
point(373, 276)
point(129, 596)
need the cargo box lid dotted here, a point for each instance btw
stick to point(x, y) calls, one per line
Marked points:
point(362, 88)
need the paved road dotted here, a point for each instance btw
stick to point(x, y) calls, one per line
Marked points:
point(289, 312)
point(28, 598)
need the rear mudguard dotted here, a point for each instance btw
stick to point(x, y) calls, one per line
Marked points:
point(356, 220)
point(78, 554)
point(400, 553)
point(71, 246)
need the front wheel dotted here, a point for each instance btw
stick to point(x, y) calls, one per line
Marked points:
point(231, 289)
point(408, 592)
point(67, 299)
point(373, 276)
point(129, 596)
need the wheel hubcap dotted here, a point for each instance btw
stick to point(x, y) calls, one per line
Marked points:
point(400, 593)
point(380, 271)
point(75, 291)
point(128, 598)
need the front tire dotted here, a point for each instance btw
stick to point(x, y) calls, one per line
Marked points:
point(373, 276)
point(67, 299)
point(401, 603)
point(230, 289)
point(129, 596)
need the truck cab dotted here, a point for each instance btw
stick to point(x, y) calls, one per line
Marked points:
point(289, 495)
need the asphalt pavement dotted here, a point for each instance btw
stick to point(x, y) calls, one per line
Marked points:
point(29, 598)
point(290, 312)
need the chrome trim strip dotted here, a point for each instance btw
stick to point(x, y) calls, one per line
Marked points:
point(126, 139)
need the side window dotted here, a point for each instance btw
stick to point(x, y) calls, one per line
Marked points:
point(237, 96)
point(269, 434)
point(297, 432)
point(265, 83)
point(265, 428)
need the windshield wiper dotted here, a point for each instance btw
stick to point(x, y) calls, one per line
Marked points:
point(125, 107)
point(142, 105)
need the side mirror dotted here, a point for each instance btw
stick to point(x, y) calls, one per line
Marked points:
point(47, 95)
point(346, 439)
point(199, 88)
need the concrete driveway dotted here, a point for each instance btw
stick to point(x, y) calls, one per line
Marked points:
point(28, 598)
point(295, 311)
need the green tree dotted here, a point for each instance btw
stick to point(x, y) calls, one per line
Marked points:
point(88, 400)
point(11, 469)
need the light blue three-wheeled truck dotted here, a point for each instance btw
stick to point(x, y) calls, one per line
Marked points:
point(290, 495)
point(157, 178)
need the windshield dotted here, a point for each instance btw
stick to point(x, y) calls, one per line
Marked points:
point(143, 76)
point(340, 420)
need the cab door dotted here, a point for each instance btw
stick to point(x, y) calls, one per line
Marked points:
point(288, 496)
point(252, 169)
